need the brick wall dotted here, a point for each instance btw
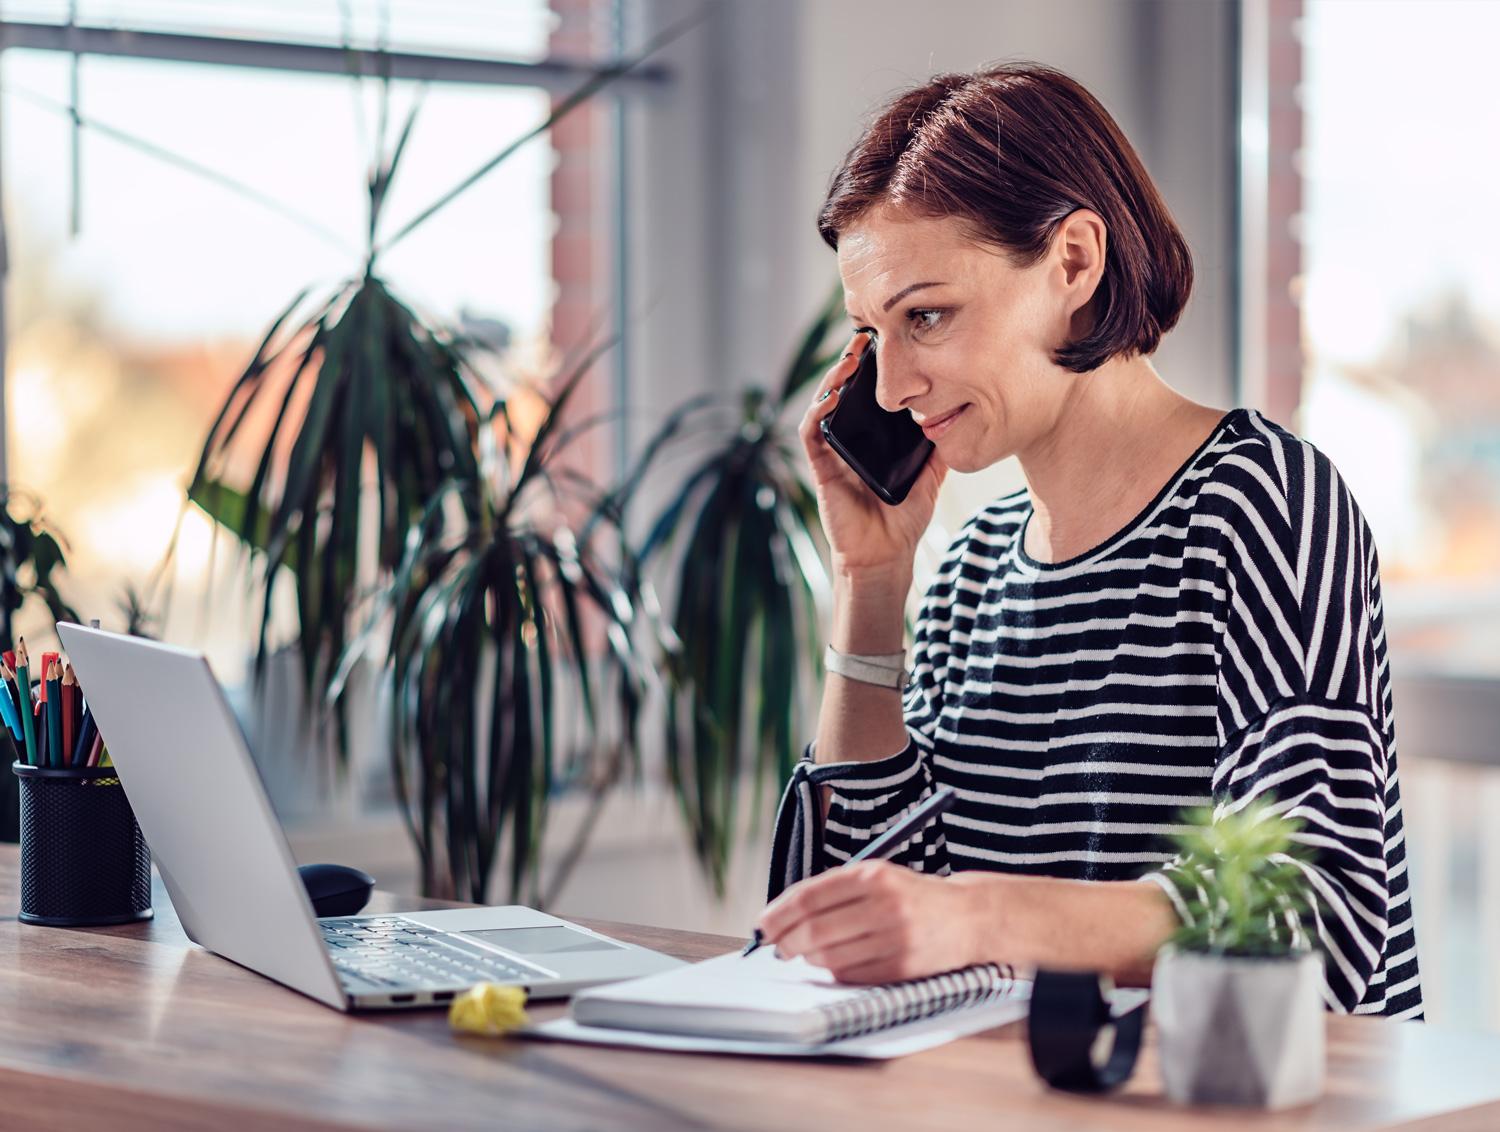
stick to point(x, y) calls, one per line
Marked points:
point(582, 310)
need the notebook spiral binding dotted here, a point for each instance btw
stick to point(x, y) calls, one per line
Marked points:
point(880, 1008)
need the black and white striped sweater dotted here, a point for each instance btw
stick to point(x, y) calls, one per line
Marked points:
point(1227, 643)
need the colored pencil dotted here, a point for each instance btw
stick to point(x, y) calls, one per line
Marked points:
point(8, 705)
point(23, 686)
point(53, 703)
point(48, 658)
point(13, 693)
point(69, 712)
point(84, 741)
point(96, 748)
point(16, 696)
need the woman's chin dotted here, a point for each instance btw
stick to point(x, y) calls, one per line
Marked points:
point(961, 455)
point(962, 458)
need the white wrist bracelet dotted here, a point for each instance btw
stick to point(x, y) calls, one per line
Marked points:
point(885, 670)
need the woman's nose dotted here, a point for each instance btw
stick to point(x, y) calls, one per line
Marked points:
point(896, 380)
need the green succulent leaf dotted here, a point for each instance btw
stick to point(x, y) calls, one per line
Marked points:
point(1240, 877)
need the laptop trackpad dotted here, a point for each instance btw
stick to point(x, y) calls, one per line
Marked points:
point(550, 940)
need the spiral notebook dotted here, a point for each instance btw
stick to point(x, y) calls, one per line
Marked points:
point(786, 1003)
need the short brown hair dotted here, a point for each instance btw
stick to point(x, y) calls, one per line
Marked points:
point(1014, 150)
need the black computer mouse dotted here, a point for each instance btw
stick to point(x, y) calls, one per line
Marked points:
point(336, 890)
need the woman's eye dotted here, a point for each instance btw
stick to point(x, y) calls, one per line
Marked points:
point(923, 320)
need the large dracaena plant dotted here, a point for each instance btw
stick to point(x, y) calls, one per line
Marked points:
point(492, 623)
point(363, 377)
point(749, 576)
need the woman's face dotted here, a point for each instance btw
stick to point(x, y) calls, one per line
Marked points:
point(965, 339)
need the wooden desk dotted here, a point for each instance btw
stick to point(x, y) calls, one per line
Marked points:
point(133, 1027)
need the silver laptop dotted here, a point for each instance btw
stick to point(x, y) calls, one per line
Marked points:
point(186, 767)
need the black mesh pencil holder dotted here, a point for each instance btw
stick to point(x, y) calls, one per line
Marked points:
point(83, 859)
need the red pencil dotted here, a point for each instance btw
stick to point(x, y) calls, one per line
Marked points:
point(47, 659)
point(95, 748)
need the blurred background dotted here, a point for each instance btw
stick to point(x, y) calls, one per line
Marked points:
point(175, 173)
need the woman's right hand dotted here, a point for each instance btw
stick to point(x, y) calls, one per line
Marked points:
point(865, 533)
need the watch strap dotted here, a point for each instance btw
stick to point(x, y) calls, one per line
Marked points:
point(885, 670)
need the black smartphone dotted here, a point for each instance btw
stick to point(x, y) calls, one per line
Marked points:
point(886, 450)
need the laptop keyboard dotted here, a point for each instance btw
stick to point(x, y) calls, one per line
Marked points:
point(387, 952)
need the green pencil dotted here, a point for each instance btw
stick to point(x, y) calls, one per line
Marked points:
point(54, 715)
point(23, 686)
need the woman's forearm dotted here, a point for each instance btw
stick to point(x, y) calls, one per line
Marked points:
point(1110, 926)
point(859, 721)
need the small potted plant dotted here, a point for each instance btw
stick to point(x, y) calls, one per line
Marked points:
point(1236, 991)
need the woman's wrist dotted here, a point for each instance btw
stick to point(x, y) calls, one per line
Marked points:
point(874, 575)
point(996, 926)
point(869, 611)
point(1031, 921)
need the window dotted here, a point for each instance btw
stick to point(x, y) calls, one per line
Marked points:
point(1401, 387)
point(1402, 306)
point(124, 338)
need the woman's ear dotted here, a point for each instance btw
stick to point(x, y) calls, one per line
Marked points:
point(1079, 247)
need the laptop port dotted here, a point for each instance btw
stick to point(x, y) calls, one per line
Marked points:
point(442, 996)
point(397, 999)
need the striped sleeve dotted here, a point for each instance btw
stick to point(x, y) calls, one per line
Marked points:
point(1323, 763)
point(1300, 711)
point(1396, 989)
point(867, 798)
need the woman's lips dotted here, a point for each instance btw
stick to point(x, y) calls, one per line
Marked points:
point(934, 428)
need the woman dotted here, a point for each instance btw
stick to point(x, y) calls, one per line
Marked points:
point(1182, 605)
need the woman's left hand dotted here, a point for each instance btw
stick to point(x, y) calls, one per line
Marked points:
point(875, 922)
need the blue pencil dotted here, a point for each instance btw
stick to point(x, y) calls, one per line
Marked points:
point(85, 737)
point(8, 710)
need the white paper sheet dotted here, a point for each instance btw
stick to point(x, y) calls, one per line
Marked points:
point(913, 1037)
point(731, 982)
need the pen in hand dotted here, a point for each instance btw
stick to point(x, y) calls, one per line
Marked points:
point(890, 841)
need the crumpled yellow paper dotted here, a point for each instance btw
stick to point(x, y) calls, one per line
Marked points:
point(488, 1008)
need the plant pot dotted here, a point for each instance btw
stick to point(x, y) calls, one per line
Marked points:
point(1239, 1031)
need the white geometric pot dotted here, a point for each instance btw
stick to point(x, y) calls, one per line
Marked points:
point(1239, 1031)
